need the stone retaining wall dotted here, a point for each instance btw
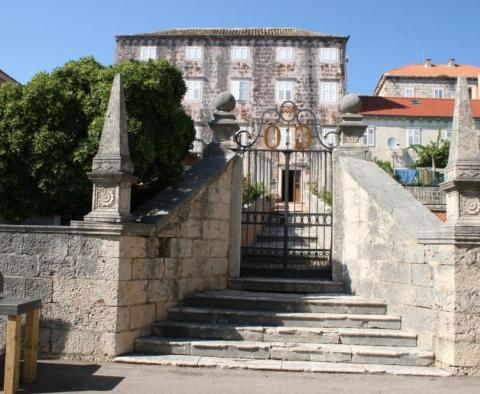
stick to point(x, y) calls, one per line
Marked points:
point(433, 286)
point(103, 285)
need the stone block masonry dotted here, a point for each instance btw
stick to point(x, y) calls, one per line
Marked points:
point(432, 284)
point(217, 71)
point(103, 285)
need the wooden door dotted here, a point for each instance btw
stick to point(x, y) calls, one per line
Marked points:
point(297, 186)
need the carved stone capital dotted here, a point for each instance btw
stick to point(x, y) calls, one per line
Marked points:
point(469, 205)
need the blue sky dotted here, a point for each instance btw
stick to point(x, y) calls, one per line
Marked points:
point(38, 35)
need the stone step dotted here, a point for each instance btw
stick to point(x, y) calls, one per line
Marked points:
point(285, 334)
point(287, 302)
point(282, 285)
point(299, 319)
point(278, 365)
point(356, 354)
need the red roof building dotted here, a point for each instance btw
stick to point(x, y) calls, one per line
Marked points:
point(428, 80)
point(397, 123)
point(412, 107)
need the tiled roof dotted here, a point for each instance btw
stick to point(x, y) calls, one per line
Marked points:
point(4, 77)
point(236, 32)
point(435, 70)
point(412, 106)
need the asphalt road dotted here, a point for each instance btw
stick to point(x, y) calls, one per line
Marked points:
point(60, 376)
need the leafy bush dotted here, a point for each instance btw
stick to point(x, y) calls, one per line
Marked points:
point(50, 128)
point(252, 191)
point(434, 155)
point(385, 165)
point(325, 195)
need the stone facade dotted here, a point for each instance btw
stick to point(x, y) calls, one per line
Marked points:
point(102, 285)
point(385, 127)
point(217, 71)
point(424, 87)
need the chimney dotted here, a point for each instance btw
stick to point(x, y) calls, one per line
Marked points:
point(427, 62)
point(451, 62)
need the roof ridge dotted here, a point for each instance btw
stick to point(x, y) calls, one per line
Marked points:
point(238, 31)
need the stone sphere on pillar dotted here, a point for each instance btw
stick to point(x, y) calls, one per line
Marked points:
point(225, 102)
point(350, 104)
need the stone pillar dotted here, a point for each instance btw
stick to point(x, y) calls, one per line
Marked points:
point(462, 175)
point(458, 344)
point(112, 169)
point(350, 143)
point(224, 126)
point(351, 128)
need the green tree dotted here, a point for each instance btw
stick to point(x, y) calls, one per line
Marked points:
point(50, 128)
point(434, 155)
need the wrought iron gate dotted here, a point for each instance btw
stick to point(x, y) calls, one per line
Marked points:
point(287, 195)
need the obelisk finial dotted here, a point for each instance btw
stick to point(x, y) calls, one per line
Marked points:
point(464, 131)
point(112, 169)
point(462, 175)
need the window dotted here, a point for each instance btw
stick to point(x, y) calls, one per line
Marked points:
point(447, 134)
point(438, 92)
point(369, 136)
point(193, 53)
point(147, 53)
point(328, 92)
point(413, 137)
point(240, 90)
point(409, 92)
point(194, 90)
point(284, 90)
point(198, 132)
point(285, 54)
point(239, 53)
point(329, 136)
point(328, 54)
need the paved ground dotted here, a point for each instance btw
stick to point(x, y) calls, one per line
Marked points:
point(73, 377)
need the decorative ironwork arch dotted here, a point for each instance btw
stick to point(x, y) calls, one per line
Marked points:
point(291, 117)
point(286, 212)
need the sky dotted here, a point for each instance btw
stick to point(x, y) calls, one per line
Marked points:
point(38, 35)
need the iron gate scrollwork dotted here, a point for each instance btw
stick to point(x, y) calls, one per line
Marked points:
point(287, 195)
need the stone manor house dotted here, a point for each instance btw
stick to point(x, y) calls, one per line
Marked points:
point(261, 67)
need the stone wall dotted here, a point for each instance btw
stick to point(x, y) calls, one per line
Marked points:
point(395, 86)
point(380, 255)
point(103, 285)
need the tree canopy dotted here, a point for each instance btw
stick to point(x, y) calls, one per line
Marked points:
point(50, 128)
point(434, 154)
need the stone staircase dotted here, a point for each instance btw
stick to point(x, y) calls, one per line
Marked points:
point(285, 325)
